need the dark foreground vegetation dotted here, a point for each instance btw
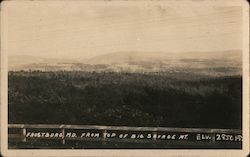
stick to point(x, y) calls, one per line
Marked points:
point(152, 99)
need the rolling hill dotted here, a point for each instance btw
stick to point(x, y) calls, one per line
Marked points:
point(208, 63)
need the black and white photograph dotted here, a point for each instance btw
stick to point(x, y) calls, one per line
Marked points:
point(124, 75)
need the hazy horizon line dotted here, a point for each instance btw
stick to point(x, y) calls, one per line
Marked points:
point(117, 52)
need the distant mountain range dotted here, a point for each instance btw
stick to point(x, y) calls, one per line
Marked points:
point(212, 63)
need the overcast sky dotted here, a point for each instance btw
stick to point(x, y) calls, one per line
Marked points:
point(77, 30)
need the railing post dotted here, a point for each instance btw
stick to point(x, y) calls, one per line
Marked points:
point(104, 133)
point(24, 134)
point(63, 135)
point(154, 136)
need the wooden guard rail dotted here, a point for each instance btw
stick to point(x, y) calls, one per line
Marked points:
point(66, 133)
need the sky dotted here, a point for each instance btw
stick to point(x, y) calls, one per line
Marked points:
point(79, 30)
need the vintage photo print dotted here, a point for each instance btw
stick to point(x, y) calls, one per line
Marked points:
point(124, 78)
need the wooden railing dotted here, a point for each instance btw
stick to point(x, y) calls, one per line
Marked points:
point(156, 135)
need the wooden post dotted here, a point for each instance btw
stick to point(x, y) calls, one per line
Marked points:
point(154, 136)
point(104, 137)
point(154, 139)
point(63, 135)
point(24, 134)
point(104, 133)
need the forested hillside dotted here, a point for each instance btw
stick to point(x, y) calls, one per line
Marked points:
point(127, 99)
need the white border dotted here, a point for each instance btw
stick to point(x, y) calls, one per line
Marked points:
point(129, 152)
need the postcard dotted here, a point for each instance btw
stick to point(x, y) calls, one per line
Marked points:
point(125, 78)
